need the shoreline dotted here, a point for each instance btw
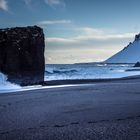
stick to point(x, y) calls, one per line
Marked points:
point(69, 83)
point(94, 111)
point(87, 81)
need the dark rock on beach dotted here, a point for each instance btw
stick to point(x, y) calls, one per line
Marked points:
point(137, 64)
point(22, 54)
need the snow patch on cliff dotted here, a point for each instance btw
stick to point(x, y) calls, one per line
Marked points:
point(130, 54)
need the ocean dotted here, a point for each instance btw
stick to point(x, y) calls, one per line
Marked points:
point(75, 71)
point(88, 71)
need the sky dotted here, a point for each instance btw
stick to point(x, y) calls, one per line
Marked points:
point(76, 31)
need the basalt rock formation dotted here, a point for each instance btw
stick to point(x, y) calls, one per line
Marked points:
point(22, 54)
point(137, 64)
point(137, 37)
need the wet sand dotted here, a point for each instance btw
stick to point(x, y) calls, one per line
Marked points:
point(101, 110)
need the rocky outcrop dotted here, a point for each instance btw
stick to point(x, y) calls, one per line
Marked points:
point(137, 37)
point(22, 54)
point(137, 64)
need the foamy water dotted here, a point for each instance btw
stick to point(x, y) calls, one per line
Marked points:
point(82, 71)
point(88, 71)
point(5, 85)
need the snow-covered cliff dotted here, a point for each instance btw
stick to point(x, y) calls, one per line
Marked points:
point(130, 54)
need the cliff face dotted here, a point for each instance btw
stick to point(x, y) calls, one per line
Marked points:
point(137, 37)
point(130, 54)
point(22, 54)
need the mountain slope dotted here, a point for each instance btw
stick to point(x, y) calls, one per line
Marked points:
point(130, 54)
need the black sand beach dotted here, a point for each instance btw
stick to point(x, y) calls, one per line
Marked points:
point(107, 110)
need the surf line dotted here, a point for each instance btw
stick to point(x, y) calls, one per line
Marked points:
point(29, 88)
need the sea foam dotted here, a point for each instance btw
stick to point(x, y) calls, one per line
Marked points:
point(5, 85)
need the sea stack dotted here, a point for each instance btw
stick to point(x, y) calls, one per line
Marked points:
point(137, 64)
point(22, 54)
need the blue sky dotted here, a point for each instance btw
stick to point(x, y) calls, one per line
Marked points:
point(76, 30)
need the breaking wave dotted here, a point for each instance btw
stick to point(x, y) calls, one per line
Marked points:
point(60, 71)
point(6, 85)
point(88, 71)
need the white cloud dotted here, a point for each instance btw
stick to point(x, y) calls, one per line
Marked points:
point(4, 5)
point(91, 35)
point(87, 46)
point(87, 33)
point(62, 40)
point(55, 3)
point(52, 22)
point(90, 31)
point(27, 2)
point(104, 37)
point(76, 55)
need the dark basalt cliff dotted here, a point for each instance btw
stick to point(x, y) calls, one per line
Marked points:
point(137, 64)
point(22, 54)
point(137, 37)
